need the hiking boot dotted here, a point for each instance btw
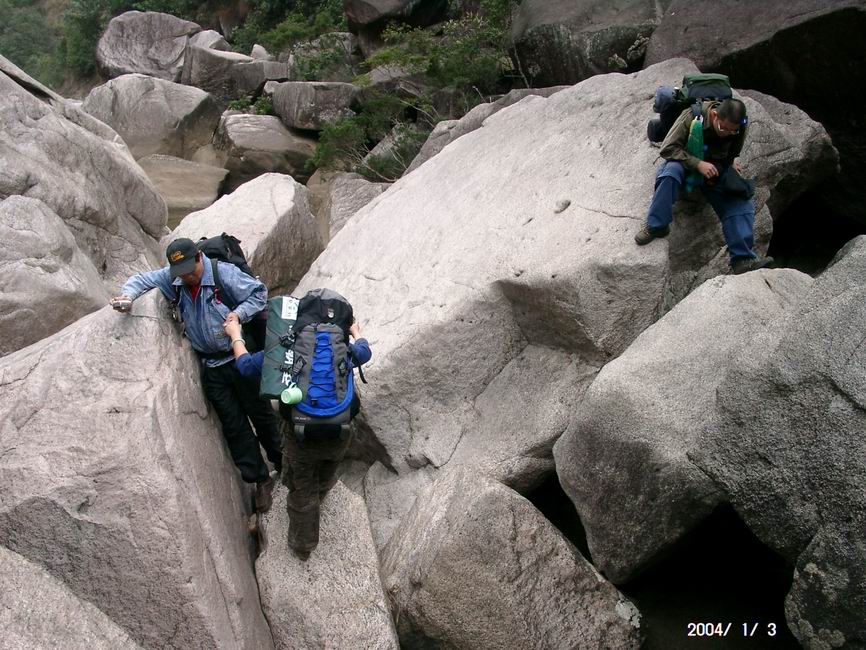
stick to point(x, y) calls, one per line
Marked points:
point(264, 495)
point(646, 234)
point(746, 264)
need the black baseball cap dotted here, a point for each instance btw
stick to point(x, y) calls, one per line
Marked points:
point(181, 256)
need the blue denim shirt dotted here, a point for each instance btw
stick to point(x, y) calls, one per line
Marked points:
point(203, 317)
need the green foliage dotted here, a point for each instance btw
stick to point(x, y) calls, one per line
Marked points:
point(317, 62)
point(27, 40)
point(279, 25)
point(241, 104)
point(83, 24)
point(345, 143)
point(468, 54)
point(263, 106)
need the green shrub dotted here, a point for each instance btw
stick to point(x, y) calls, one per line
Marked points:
point(344, 144)
point(467, 54)
point(28, 41)
point(241, 104)
point(263, 106)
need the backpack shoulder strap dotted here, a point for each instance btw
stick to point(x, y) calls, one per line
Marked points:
point(224, 295)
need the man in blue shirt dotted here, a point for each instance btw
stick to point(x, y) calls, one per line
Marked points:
point(189, 279)
point(312, 463)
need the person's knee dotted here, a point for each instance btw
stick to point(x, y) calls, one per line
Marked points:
point(671, 169)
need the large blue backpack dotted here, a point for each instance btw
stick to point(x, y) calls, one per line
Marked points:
point(314, 356)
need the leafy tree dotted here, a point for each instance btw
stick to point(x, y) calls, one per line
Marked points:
point(28, 41)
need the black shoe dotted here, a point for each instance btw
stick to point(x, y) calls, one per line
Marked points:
point(746, 264)
point(646, 234)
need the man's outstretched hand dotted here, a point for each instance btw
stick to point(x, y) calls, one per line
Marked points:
point(121, 303)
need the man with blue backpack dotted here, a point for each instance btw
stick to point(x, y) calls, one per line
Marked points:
point(700, 149)
point(319, 402)
point(203, 288)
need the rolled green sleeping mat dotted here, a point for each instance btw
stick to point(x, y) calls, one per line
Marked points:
point(282, 311)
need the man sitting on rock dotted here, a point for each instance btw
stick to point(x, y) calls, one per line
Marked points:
point(189, 279)
point(724, 131)
point(311, 463)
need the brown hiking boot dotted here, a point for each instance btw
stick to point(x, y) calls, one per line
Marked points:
point(264, 495)
point(746, 264)
point(646, 234)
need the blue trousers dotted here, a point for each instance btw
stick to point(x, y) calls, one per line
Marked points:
point(737, 215)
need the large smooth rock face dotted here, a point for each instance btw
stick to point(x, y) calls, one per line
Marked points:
point(485, 250)
point(154, 116)
point(789, 448)
point(449, 130)
point(641, 420)
point(249, 77)
point(258, 144)
point(475, 565)
point(335, 599)
point(210, 39)
point(147, 42)
point(695, 32)
point(212, 70)
point(184, 185)
point(312, 104)
point(563, 41)
point(46, 282)
point(347, 194)
point(414, 12)
point(271, 218)
point(80, 168)
point(38, 611)
point(116, 481)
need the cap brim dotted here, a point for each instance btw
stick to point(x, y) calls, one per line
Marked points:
point(182, 268)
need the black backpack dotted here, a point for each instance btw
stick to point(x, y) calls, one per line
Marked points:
point(227, 248)
point(670, 102)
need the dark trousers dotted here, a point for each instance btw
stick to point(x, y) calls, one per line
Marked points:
point(236, 401)
point(310, 472)
point(736, 214)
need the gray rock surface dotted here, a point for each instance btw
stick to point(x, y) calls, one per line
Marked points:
point(249, 77)
point(465, 262)
point(258, 144)
point(348, 193)
point(449, 130)
point(312, 104)
point(566, 41)
point(475, 565)
point(641, 420)
point(116, 481)
point(212, 71)
point(147, 42)
point(691, 31)
point(788, 448)
point(46, 282)
point(335, 599)
point(185, 186)
point(38, 611)
point(414, 12)
point(259, 52)
point(154, 116)
point(210, 39)
point(271, 218)
point(80, 168)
